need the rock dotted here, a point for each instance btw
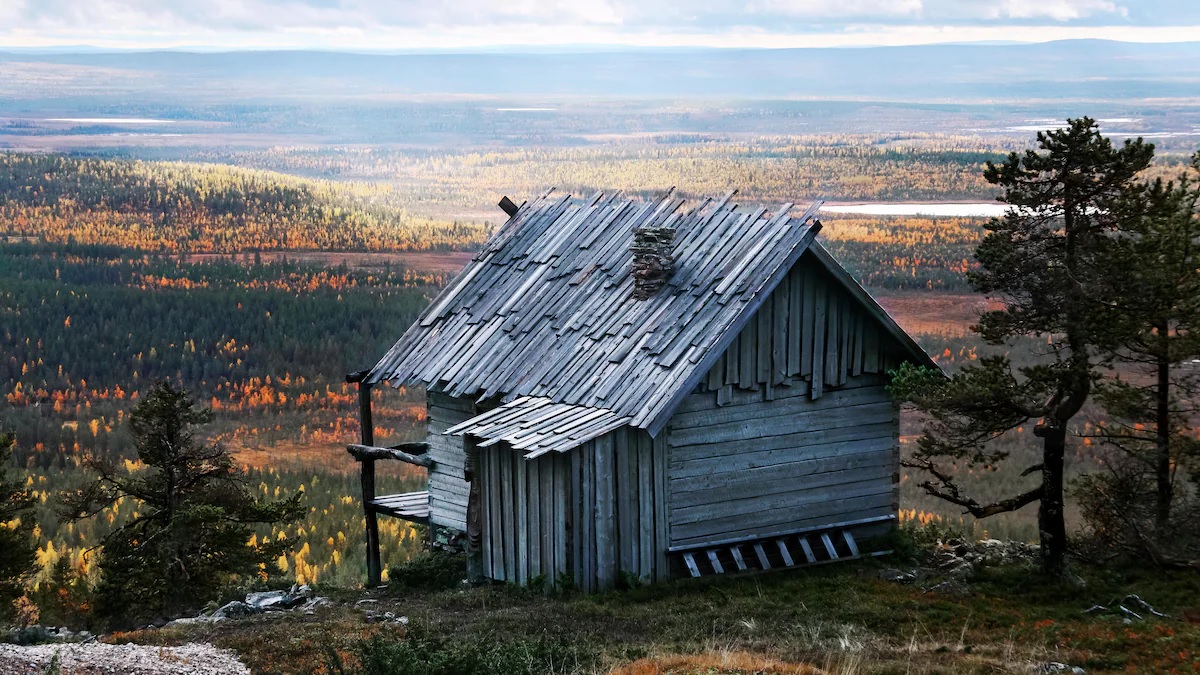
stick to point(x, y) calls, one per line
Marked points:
point(386, 617)
point(192, 621)
point(235, 610)
point(1120, 607)
point(1136, 600)
point(271, 601)
point(897, 576)
point(257, 603)
point(32, 635)
point(962, 571)
point(38, 634)
point(316, 603)
point(267, 599)
point(950, 587)
point(1053, 667)
point(97, 658)
point(953, 554)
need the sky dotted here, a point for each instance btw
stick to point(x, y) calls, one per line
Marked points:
point(402, 25)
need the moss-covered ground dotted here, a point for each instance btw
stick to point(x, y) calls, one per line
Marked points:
point(835, 619)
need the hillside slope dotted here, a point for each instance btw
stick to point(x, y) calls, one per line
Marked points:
point(160, 206)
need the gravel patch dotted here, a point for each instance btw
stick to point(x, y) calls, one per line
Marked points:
point(96, 658)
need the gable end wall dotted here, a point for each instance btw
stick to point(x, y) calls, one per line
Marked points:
point(792, 427)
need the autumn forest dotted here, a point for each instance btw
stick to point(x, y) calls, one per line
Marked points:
point(258, 277)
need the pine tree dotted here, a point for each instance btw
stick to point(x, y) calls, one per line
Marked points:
point(1155, 270)
point(17, 546)
point(195, 516)
point(1045, 261)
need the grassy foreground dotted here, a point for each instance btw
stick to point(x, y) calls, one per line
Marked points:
point(836, 619)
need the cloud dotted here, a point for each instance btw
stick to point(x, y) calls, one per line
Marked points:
point(1059, 10)
point(400, 24)
point(841, 9)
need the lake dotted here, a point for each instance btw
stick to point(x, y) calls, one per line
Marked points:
point(979, 210)
point(107, 120)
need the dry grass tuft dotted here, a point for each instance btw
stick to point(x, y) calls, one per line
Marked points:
point(716, 663)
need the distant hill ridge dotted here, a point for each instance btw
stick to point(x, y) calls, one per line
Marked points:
point(1061, 70)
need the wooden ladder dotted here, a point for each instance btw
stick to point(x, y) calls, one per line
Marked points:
point(802, 549)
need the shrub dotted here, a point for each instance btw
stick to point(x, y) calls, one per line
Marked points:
point(433, 571)
point(1119, 514)
point(428, 656)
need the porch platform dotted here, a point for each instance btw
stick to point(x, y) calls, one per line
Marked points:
point(410, 506)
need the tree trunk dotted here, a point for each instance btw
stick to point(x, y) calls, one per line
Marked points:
point(1052, 525)
point(1162, 440)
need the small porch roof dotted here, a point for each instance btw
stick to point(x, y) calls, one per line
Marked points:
point(537, 425)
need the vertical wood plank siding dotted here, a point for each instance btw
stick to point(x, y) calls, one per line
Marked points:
point(812, 329)
point(792, 427)
point(622, 516)
point(527, 533)
point(592, 515)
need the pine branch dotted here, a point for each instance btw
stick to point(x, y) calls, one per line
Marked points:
point(950, 491)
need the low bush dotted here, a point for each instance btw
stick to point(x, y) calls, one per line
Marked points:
point(434, 571)
point(421, 655)
point(913, 542)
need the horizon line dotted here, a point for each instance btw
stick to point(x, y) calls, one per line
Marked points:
point(63, 49)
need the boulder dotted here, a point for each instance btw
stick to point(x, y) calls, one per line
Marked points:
point(270, 601)
point(235, 610)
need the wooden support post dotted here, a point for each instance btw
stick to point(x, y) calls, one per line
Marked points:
point(374, 566)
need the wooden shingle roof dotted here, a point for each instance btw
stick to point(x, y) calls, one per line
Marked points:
point(546, 308)
point(536, 425)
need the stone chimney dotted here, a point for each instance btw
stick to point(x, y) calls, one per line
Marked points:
point(652, 261)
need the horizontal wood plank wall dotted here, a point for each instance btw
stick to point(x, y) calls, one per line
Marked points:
point(756, 467)
point(447, 489)
point(528, 513)
point(810, 331)
point(621, 516)
point(792, 427)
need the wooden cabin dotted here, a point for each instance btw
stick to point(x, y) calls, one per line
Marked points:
point(624, 389)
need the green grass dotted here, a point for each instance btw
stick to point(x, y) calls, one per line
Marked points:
point(841, 619)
